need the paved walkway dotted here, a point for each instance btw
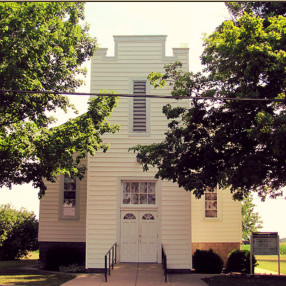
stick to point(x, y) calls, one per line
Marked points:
point(258, 270)
point(133, 274)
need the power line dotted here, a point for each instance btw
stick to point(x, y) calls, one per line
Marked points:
point(147, 96)
point(88, 94)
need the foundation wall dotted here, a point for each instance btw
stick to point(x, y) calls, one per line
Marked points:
point(223, 249)
point(54, 254)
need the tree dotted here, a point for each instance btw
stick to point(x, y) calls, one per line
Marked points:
point(18, 232)
point(251, 221)
point(263, 9)
point(226, 141)
point(42, 49)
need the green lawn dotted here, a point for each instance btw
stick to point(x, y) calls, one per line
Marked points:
point(270, 262)
point(26, 272)
point(239, 280)
point(271, 257)
point(272, 265)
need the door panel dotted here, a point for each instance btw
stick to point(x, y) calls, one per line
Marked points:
point(129, 236)
point(139, 236)
point(148, 239)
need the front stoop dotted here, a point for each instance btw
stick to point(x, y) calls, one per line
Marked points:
point(139, 274)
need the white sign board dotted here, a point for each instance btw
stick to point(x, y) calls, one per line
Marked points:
point(265, 243)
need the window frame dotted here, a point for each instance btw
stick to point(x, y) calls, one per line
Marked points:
point(61, 201)
point(212, 199)
point(218, 208)
point(130, 205)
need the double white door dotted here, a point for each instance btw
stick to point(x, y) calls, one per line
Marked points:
point(139, 236)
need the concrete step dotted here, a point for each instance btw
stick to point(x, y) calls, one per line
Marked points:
point(137, 274)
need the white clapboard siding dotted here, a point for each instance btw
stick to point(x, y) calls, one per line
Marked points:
point(175, 225)
point(135, 58)
point(225, 229)
point(51, 228)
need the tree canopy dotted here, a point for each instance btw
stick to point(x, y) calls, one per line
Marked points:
point(228, 141)
point(263, 9)
point(251, 221)
point(42, 48)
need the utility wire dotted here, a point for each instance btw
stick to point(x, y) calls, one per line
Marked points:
point(147, 96)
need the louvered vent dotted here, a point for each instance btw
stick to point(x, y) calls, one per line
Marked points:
point(139, 106)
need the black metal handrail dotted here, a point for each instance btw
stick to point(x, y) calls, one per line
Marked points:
point(111, 254)
point(164, 262)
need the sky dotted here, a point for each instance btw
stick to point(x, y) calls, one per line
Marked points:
point(183, 23)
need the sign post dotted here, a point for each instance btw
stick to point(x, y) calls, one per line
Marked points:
point(264, 243)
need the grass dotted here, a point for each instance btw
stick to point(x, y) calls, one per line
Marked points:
point(238, 280)
point(270, 257)
point(26, 272)
point(272, 265)
point(270, 262)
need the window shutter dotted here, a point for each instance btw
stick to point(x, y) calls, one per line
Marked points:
point(139, 106)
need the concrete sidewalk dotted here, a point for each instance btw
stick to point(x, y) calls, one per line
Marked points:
point(135, 274)
point(258, 270)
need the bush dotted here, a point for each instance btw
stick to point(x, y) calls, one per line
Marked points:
point(18, 232)
point(207, 261)
point(239, 261)
point(72, 268)
point(60, 256)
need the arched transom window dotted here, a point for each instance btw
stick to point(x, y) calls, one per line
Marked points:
point(129, 216)
point(148, 217)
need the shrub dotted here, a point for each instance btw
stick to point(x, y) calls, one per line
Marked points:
point(63, 256)
point(207, 261)
point(239, 261)
point(18, 232)
point(72, 268)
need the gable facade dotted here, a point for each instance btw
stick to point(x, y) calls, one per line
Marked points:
point(117, 201)
point(117, 187)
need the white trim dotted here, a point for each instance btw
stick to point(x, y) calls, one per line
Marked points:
point(219, 208)
point(61, 198)
point(191, 233)
point(141, 38)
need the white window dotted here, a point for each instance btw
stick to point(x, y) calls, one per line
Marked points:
point(139, 193)
point(211, 206)
point(69, 198)
point(139, 107)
